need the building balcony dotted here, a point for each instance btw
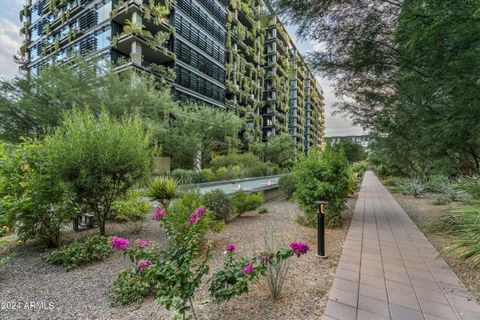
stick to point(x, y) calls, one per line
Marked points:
point(155, 54)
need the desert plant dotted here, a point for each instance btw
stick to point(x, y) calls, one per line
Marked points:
point(440, 201)
point(471, 186)
point(412, 187)
point(238, 272)
point(100, 158)
point(243, 201)
point(448, 190)
point(464, 224)
point(287, 184)
point(219, 203)
point(94, 248)
point(276, 273)
point(163, 189)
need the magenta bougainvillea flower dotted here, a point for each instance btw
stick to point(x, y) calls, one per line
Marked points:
point(230, 247)
point(143, 265)
point(197, 215)
point(248, 269)
point(142, 244)
point(299, 247)
point(119, 243)
point(159, 213)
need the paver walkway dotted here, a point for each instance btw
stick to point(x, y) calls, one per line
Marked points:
point(389, 270)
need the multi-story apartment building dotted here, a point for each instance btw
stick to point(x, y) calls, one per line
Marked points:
point(231, 54)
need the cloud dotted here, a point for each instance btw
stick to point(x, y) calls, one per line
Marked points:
point(10, 42)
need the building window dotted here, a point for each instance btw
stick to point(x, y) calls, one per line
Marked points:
point(103, 11)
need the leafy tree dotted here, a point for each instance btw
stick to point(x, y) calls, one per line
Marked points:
point(198, 129)
point(99, 158)
point(31, 104)
point(278, 149)
point(404, 69)
point(352, 150)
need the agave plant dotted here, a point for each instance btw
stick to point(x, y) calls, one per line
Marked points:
point(163, 189)
point(471, 185)
point(414, 187)
point(464, 223)
point(448, 189)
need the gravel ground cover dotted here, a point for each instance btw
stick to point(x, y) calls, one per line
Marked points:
point(84, 293)
point(422, 212)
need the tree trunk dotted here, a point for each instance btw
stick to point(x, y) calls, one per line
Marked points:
point(101, 222)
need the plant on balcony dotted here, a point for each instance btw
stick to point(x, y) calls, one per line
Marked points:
point(46, 29)
point(159, 14)
point(133, 28)
point(159, 40)
point(25, 13)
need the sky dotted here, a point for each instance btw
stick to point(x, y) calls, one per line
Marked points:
point(10, 42)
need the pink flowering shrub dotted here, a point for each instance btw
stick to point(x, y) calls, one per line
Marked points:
point(159, 213)
point(174, 273)
point(299, 248)
point(230, 247)
point(239, 272)
point(143, 265)
point(119, 244)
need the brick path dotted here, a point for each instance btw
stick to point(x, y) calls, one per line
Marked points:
point(389, 270)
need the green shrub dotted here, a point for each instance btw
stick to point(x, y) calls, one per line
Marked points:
point(287, 184)
point(235, 159)
point(219, 203)
point(221, 174)
point(217, 226)
point(180, 210)
point(130, 286)
point(359, 168)
point(94, 248)
point(243, 202)
point(183, 176)
point(33, 201)
point(323, 176)
point(100, 158)
point(131, 207)
point(391, 181)
point(412, 187)
point(163, 189)
point(6, 245)
point(207, 175)
point(262, 210)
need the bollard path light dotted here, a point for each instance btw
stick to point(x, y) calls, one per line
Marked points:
point(321, 229)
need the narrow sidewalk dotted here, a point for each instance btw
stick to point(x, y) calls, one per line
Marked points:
point(389, 270)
